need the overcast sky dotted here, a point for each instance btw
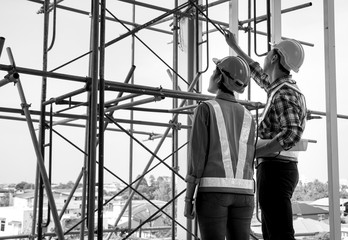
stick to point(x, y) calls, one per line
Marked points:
point(23, 29)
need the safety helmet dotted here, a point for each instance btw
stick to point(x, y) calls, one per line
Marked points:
point(292, 54)
point(236, 72)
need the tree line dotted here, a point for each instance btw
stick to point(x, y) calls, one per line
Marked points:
point(312, 191)
point(153, 189)
point(160, 189)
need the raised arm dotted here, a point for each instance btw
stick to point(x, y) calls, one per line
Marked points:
point(232, 42)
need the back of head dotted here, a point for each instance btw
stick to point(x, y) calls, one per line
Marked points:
point(235, 71)
point(292, 54)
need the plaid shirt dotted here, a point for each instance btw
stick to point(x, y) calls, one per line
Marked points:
point(285, 118)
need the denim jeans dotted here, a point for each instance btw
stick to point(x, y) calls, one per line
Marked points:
point(276, 182)
point(224, 215)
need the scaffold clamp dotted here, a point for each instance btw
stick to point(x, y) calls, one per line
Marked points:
point(10, 77)
point(25, 105)
point(175, 125)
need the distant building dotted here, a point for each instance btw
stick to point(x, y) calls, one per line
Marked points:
point(6, 197)
point(324, 204)
point(307, 210)
point(17, 219)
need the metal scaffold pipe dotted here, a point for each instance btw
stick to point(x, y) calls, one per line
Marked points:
point(40, 160)
point(165, 134)
point(264, 17)
point(2, 42)
point(41, 73)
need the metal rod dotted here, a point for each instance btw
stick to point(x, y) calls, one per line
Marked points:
point(131, 126)
point(264, 17)
point(213, 4)
point(50, 149)
point(155, 213)
point(120, 99)
point(101, 122)
point(123, 87)
point(93, 118)
point(64, 96)
point(130, 186)
point(153, 52)
point(146, 5)
point(43, 173)
point(45, 73)
point(249, 44)
point(255, 36)
point(66, 204)
point(331, 120)
point(2, 42)
point(156, 110)
point(115, 86)
point(325, 114)
point(157, 124)
point(153, 156)
point(117, 100)
point(175, 141)
point(135, 103)
point(84, 117)
point(9, 78)
point(108, 18)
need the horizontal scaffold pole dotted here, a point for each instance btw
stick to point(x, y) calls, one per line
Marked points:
point(264, 17)
point(159, 91)
point(45, 73)
point(107, 18)
point(125, 87)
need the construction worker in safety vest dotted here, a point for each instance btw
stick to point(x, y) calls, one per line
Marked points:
point(221, 152)
point(282, 123)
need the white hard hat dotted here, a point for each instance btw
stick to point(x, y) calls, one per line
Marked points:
point(292, 54)
point(236, 72)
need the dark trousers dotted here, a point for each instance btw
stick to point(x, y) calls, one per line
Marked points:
point(224, 215)
point(276, 182)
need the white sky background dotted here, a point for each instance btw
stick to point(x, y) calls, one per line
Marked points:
point(23, 29)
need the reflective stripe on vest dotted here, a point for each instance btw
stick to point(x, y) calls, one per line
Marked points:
point(227, 183)
point(230, 181)
point(243, 144)
point(289, 153)
point(225, 149)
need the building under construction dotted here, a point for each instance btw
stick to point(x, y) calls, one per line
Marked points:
point(115, 90)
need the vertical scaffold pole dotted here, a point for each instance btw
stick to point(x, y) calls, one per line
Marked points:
point(233, 20)
point(92, 136)
point(101, 121)
point(2, 42)
point(131, 127)
point(331, 119)
point(40, 161)
point(191, 70)
point(175, 133)
point(41, 137)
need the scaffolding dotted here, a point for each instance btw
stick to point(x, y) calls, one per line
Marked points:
point(191, 16)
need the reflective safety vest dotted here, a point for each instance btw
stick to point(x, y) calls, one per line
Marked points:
point(289, 155)
point(233, 172)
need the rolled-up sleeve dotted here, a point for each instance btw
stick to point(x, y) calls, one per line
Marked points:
point(289, 114)
point(260, 77)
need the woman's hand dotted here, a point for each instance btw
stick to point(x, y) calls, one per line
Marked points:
point(189, 210)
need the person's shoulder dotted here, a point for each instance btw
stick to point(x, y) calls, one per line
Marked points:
point(203, 106)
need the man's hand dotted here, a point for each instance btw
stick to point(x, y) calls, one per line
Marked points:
point(189, 211)
point(230, 39)
point(232, 43)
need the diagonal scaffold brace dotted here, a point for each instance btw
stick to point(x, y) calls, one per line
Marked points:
point(13, 76)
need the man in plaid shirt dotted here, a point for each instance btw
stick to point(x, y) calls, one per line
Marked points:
point(282, 124)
